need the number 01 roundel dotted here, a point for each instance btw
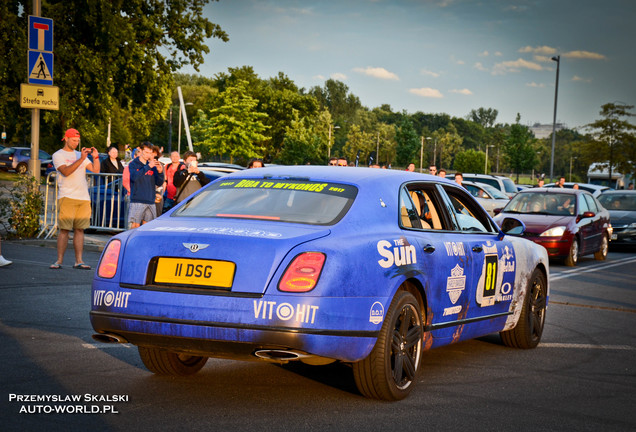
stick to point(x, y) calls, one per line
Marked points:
point(488, 281)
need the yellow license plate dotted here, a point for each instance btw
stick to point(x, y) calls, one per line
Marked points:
point(195, 272)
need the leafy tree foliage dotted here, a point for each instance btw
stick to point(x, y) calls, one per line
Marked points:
point(112, 58)
point(518, 148)
point(408, 142)
point(359, 141)
point(233, 127)
point(470, 161)
point(305, 141)
point(614, 143)
point(486, 117)
point(449, 143)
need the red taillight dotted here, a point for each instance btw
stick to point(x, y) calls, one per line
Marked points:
point(108, 264)
point(303, 273)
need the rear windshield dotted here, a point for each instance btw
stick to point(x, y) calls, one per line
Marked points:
point(284, 200)
point(625, 202)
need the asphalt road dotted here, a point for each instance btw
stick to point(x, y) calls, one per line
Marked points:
point(582, 377)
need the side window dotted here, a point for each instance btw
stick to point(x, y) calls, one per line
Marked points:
point(419, 207)
point(583, 207)
point(409, 216)
point(591, 203)
point(468, 216)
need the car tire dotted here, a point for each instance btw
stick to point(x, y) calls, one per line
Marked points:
point(527, 333)
point(390, 370)
point(573, 254)
point(601, 254)
point(22, 168)
point(163, 362)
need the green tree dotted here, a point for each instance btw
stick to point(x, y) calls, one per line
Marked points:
point(110, 55)
point(358, 141)
point(470, 161)
point(304, 143)
point(518, 148)
point(614, 143)
point(486, 117)
point(233, 127)
point(408, 142)
point(449, 143)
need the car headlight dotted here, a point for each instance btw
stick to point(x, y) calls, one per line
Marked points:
point(554, 232)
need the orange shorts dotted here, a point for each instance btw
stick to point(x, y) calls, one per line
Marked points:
point(73, 214)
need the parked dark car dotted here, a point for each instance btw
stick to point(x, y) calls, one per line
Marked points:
point(17, 159)
point(621, 205)
point(569, 223)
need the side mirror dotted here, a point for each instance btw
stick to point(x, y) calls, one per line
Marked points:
point(512, 226)
point(585, 215)
point(497, 211)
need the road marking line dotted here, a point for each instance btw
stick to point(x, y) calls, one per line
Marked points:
point(574, 272)
point(588, 346)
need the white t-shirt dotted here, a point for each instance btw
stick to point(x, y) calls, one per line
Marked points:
point(74, 186)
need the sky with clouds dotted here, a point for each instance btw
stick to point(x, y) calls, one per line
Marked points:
point(441, 56)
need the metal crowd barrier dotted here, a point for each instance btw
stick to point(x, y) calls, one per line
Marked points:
point(109, 203)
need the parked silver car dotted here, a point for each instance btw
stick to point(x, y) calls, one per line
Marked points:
point(489, 197)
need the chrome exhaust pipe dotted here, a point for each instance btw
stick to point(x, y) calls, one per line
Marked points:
point(109, 338)
point(277, 355)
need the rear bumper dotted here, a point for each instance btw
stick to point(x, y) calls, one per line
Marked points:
point(227, 326)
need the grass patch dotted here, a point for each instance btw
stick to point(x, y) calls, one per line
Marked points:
point(8, 176)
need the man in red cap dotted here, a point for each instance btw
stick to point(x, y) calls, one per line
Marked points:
point(74, 202)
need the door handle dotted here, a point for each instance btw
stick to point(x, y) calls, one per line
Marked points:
point(478, 248)
point(429, 248)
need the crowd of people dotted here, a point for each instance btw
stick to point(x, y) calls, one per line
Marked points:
point(153, 187)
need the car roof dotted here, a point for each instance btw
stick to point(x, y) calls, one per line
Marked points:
point(618, 192)
point(355, 175)
point(554, 191)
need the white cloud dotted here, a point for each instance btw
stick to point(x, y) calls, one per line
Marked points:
point(580, 79)
point(484, 54)
point(535, 85)
point(515, 66)
point(319, 77)
point(377, 73)
point(456, 60)
point(465, 91)
point(429, 73)
point(480, 67)
point(338, 76)
point(584, 55)
point(498, 54)
point(542, 58)
point(427, 92)
point(545, 50)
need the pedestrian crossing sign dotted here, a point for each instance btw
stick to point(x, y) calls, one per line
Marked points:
point(40, 68)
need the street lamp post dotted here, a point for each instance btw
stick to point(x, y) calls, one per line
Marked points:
point(170, 134)
point(331, 127)
point(486, 164)
point(557, 59)
point(179, 135)
point(421, 154)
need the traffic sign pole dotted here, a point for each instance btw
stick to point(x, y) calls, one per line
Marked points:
point(34, 162)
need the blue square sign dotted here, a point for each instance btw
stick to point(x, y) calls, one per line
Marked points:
point(40, 68)
point(40, 33)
